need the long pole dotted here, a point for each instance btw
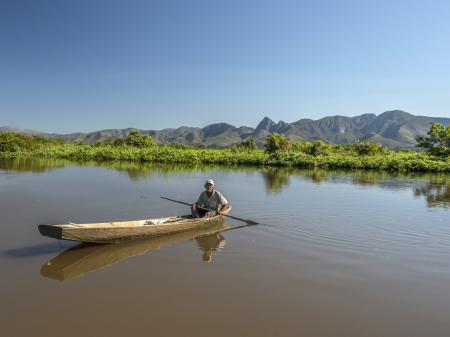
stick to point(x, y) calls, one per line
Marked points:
point(250, 222)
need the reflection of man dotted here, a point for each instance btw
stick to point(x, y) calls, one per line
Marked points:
point(210, 199)
point(210, 244)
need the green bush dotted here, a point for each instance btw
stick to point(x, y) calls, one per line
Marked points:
point(319, 148)
point(302, 146)
point(276, 142)
point(365, 148)
point(247, 145)
point(15, 142)
point(135, 139)
point(438, 141)
point(11, 142)
point(178, 146)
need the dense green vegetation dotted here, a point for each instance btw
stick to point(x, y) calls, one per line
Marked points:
point(135, 139)
point(249, 145)
point(15, 142)
point(279, 151)
point(277, 142)
point(438, 141)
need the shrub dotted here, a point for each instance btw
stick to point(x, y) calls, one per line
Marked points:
point(135, 139)
point(178, 146)
point(276, 142)
point(302, 146)
point(13, 142)
point(248, 145)
point(365, 148)
point(438, 141)
point(316, 148)
point(319, 148)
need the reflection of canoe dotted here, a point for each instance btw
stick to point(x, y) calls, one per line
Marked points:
point(125, 230)
point(86, 257)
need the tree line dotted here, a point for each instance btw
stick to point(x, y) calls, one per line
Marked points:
point(436, 143)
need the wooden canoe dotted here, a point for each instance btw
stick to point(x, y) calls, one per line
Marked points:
point(113, 232)
point(87, 257)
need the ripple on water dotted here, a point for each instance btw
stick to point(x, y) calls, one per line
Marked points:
point(350, 229)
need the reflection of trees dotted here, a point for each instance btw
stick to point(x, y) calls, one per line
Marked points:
point(343, 176)
point(32, 164)
point(144, 170)
point(436, 193)
point(370, 177)
point(434, 187)
point(140, 171)
point(276, 179)
point(209, 244)
point(318, 175)
point(134, 170)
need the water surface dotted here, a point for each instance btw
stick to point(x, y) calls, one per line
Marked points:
point(338, 253)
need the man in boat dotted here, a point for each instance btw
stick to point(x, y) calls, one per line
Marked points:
point(210, 199)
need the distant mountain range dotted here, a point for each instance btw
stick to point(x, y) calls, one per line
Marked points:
point(395, 129)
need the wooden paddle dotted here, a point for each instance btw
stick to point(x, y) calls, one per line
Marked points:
point(249, 222)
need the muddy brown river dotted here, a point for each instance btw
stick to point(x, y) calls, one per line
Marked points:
point(336, 254)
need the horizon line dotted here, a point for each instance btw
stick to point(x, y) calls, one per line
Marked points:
point(202, 127)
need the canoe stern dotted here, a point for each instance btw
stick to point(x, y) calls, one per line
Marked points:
point(51, 231)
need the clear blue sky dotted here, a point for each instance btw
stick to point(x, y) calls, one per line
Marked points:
point(85, 65)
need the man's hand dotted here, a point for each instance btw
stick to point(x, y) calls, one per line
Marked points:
point(222, 209)
point(194, 206)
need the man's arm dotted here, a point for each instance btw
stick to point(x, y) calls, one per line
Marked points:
point(199, 201)
point(223, 208)
point(223, 202)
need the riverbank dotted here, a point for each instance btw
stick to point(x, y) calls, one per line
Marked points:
point(387, 160)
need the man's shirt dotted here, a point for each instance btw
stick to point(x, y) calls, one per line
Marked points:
point(211, 202)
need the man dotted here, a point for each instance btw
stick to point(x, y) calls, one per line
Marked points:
point(210, 199)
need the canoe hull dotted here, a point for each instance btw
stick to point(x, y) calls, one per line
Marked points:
point(88, 257)
point(118, 232)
